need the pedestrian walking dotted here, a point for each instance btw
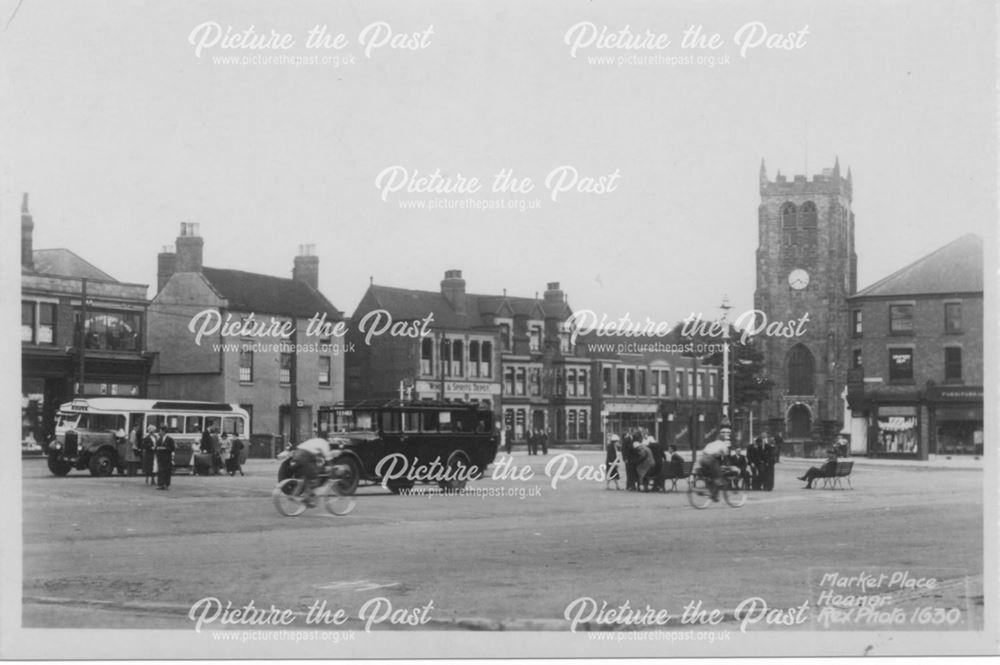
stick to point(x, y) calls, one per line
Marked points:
point(164, 459)
point(543, 438)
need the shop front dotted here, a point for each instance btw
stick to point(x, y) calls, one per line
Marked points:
point(956, 420)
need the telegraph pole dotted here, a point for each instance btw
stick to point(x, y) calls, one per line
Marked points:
point(83, 336)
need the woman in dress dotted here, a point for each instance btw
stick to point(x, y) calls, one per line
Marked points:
point(612, 457)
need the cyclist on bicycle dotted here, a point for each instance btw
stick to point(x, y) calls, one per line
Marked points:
point(710, 460)
point(310, 457)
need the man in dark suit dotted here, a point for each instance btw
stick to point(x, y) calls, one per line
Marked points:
point(164, 459)
point(769, 459)
point(628, 455)
point(755, 459)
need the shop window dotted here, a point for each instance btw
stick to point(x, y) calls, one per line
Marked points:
point(901, 319)
point(111, 331)
point(952, 363)
point(896, 434)
point(900, 365)
point(953, 317)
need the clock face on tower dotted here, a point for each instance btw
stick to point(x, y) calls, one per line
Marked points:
point(798, 279)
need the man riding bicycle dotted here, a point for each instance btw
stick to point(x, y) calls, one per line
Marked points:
point(310, 457)
point(710, 461)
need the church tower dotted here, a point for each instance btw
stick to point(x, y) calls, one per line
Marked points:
point(806, 265)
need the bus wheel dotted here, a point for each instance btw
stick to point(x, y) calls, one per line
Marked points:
point(347, 474)
point(102, 463)
point(458, 472)
point(59, 467)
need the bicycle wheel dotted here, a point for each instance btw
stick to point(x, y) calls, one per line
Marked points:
point(699, 495)
point(286, 498)
point(335, 502)
point(735, 494)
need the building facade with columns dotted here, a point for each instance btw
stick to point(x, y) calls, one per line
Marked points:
point(217, 337)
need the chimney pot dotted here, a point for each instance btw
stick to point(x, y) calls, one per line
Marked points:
point(305, 268)
point(27, 235)
point(190, 248)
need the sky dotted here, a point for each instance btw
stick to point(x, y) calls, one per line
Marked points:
point(120, 130)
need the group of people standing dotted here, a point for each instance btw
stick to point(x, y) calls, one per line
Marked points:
point(222, 451)
point(756, 463)
point(644, 458)
point(535, 438)
point(153, 454)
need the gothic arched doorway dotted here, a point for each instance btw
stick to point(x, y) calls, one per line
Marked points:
point(799, 421)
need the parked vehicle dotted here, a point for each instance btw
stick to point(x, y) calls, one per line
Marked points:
point(93, 433)
point(398, 443)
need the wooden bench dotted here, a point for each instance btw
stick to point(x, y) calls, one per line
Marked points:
point(672, 473)
point(841, 472)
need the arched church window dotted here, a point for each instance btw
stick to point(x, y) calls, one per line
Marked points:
point(789, 224)
point(801, 371)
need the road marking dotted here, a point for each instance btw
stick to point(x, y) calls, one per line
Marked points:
point(358, 585)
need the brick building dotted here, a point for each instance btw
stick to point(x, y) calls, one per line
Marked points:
point(806, 265)
point(647, 382)
point(62, 294)
point(263, 373)
point(916, 357)
point(509, 353)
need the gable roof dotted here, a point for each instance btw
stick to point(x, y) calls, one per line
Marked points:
point(65, 263)
point(409, 304)
point(253, 292)
point(955, 268)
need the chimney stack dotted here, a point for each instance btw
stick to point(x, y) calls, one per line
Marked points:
point(27, 232)
point(453, 288)
point(306, 268)
point(190, 248)
point(553, 293)
point(166, 266)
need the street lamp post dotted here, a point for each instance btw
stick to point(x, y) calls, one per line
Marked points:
point(725, 356)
